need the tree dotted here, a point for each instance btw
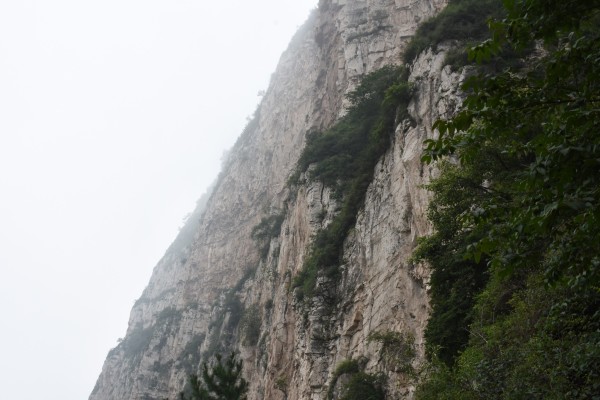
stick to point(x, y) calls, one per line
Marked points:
point(541, 122)
point(222, 382)
point(528, 144)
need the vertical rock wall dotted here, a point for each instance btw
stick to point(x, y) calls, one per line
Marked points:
point(200, 292)
point(380, 291)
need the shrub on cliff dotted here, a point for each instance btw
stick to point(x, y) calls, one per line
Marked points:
point(223, 381)
point(525, 198)
point(462, 20)
point(344, 158)
point(358, 384)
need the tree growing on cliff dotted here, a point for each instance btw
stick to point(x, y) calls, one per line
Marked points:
point(524, 242)
point(223, 381)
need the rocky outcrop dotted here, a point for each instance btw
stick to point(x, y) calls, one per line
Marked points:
point(381, 291)
point(220, 288)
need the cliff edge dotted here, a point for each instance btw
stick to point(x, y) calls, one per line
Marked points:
point(216, 289)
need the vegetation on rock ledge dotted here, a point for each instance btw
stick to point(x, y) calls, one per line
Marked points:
point(344, 158)
point(268, 228)
point(222, 382)
point(515, 255)
point(460, 20)
point(358, 384)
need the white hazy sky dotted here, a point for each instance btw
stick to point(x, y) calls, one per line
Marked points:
point(113, 117)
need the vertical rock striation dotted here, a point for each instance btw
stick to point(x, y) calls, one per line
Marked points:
point(215, 288)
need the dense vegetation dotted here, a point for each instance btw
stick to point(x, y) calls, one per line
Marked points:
point(397, 350)
point(344, 158)
point(460, 20)
point(230, 314)
point(222, 382)
point(268, 228)
point(359, 385)
point(515, 255)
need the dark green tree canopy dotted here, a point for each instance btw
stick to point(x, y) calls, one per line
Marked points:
point(515, 254)
point(221, 382)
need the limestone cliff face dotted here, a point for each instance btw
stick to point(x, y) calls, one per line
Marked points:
point(216, 289)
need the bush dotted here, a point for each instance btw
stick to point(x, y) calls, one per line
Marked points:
point(527, 192)
point(268, 228)
point(223, 381)
point(397, 349)
point(250, 325)
point(137, 341)
point(363, 386)
point(345, 367)
point(360, 385)
point(221, 333)
point(462, 20)
point(190, 356)
point(344, 158)
point(168, 315)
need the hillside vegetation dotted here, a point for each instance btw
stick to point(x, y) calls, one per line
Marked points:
point(344, 158)
point(461, 20)
point(515, 254)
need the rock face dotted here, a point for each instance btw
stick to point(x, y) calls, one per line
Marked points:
point(217, 288)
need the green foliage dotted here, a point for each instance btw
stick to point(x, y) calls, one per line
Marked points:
point(168, 315)
point(345, 367)
point(363, 386)
point(250, 325)
point(348, 148)
point(359, 386)
point(442, 383)
point(223, 326)
point(545, 120)
point(269, 227)
point(462, 20)
point(249, 272)
point(222, 382)
point(528, 137)
point(282, 384)
point(530, 351)
point(229, 315)
point(397, 349)
point(455, 280)
point(137, 341)
point(190, 356)
point(234, 307)
point(344, 158)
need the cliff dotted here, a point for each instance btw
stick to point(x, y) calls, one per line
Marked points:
point(216, 288)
